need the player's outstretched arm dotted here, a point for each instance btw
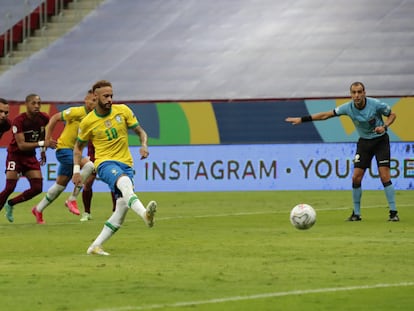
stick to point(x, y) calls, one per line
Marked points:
point(320, 116)
point(294, 120)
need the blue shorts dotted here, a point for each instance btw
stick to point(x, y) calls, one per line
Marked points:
point(65, 158)
point(110, 171)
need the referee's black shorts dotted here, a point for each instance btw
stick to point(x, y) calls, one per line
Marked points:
point(368, 148)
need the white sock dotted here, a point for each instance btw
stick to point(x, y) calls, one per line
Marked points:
point(126, 187)
point(50, 196)
point(113, 224)
point(86, 171)
point(105, 235)
point(118, 216)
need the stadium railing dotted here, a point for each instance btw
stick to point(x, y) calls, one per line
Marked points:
point(32, 20)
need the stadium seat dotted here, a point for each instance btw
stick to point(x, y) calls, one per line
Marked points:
point(17, 31)
point(1, 45)
point(51, 7)
point(34, 20)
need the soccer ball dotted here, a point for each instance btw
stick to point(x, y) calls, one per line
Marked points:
point(303, 216)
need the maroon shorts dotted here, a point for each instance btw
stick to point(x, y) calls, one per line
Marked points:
point(22, 163)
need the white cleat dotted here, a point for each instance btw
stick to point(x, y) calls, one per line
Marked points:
point(149, 215)
point(86, 217)
point(96, 250)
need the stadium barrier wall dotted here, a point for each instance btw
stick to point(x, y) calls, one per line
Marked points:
point(241, 121)
point(255, 167)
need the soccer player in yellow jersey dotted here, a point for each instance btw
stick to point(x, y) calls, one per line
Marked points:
point(64, 154)
point(107, 128)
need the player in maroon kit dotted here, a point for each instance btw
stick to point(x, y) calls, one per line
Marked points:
point(5, 123)
point(28, 134)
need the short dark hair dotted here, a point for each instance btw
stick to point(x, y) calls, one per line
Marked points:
point(2, 100)
point(101, 83)
point(30, 97)
point(357, 83)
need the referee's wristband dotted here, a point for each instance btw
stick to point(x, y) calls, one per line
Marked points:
point(385, 127)
point(306, 118)
point(76, 169)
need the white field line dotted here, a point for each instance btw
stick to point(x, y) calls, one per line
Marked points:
point(268, 212)
point(256, 296)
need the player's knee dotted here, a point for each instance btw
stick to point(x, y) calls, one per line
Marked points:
point(357, 179)
point(87, 188)
point(89, 166)
point(87, 169)
point(126, 187)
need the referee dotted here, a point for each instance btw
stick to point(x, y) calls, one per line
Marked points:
point(366, 113)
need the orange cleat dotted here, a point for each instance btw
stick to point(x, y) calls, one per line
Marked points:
point(72, 206)
point(38, 215)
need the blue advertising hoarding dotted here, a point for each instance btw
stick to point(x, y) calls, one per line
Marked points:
point(258, 167)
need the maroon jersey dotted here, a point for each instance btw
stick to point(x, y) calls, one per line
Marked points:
point(33, 130)
point(4, 127)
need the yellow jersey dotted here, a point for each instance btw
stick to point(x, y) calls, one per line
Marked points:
point(109, 134)
point(72, 116)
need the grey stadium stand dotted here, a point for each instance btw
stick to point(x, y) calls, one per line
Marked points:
point(197, 49)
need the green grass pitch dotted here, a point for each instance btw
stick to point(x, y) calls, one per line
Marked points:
point(213, 251)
